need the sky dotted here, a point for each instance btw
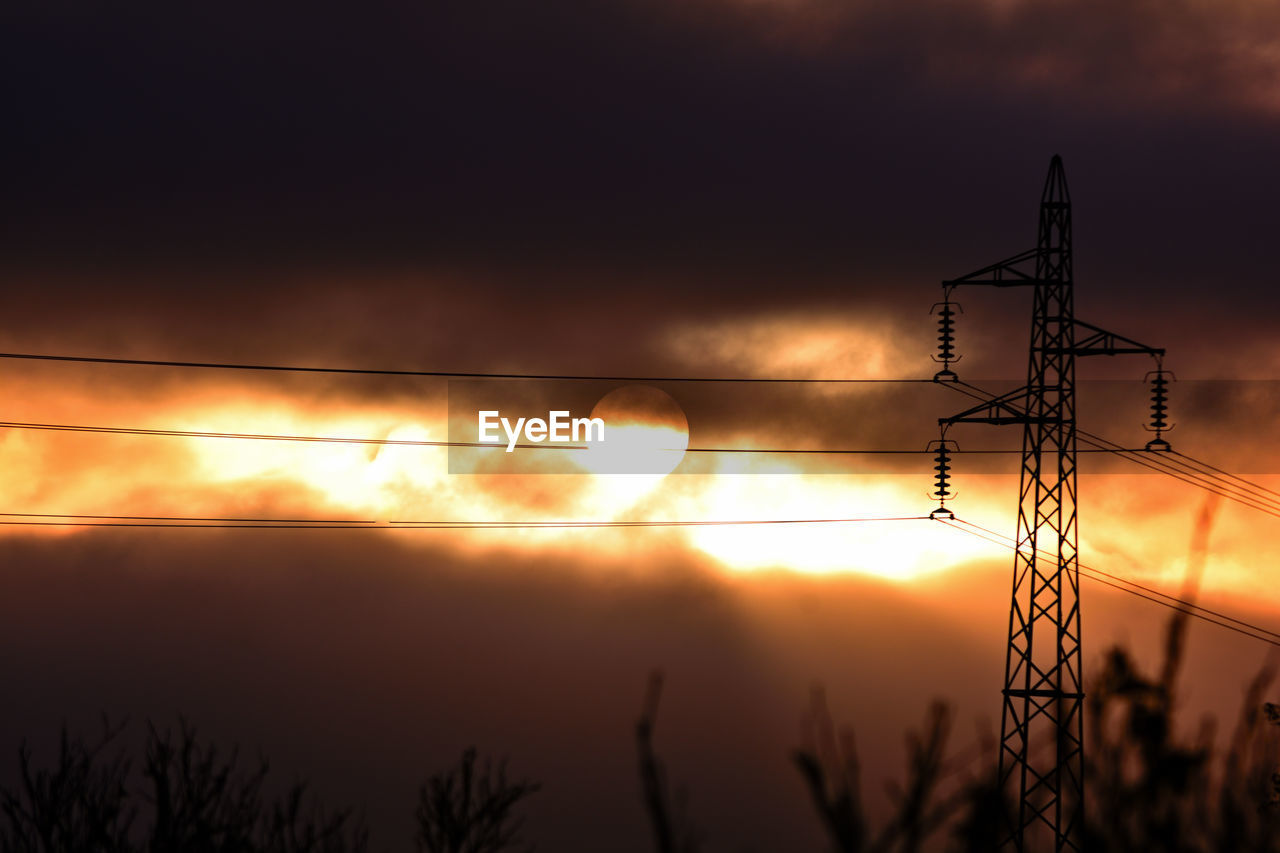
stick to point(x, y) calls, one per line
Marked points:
point(708, 188)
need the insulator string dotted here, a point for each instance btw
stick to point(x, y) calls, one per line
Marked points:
point(946, 311)
point(1159, 425)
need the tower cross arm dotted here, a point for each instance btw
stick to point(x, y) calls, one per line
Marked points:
point(997, 410)
point(1096, 341)
point(1004, 273)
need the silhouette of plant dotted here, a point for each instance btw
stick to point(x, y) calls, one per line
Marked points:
point(81, 803)
point(291, 828)
point(463, 810)
point(198, 801)
point(202, 803)
point(1150, 790)
point(672, 830)
point(828, 763)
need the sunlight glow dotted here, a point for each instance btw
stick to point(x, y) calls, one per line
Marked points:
point(81, 473)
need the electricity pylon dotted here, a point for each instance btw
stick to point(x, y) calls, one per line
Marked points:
point(1043, 690)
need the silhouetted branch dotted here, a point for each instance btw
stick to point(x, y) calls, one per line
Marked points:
point(198, 802)
point(292, 829)
point(829, 766)
point(80, 804)
point(828, 763)
point(465, 811)
point(672, 832)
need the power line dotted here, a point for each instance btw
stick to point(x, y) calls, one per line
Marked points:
point(188, 518)
point(1181, 605)
point(145, 431)
point(1249, 497)
point(1208, 477)
point(1225, 473)
point(447, 374)
point(695, 523)
point(1185, 602)
point(1154, 464)
point(179, 433)
point(1212, 480)
point(187, 522)
point(1154, 459)
point(1196, 614)
point(1203, 471)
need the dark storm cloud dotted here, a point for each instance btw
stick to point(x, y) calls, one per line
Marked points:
point(799, 137)
point(558, 186)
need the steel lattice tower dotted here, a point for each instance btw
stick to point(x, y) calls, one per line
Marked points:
point(1043, 691)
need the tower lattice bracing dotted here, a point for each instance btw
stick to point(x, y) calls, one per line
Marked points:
point(1041, 737)
point(1043, 693)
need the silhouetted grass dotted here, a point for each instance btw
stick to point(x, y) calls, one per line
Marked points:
point(193, 797)
point(470, 810)
point(673, 832)
point(1150, 786)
